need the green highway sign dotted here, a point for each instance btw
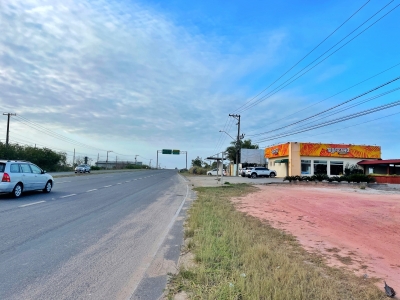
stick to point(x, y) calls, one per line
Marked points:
point(176, 151)
point(166, 151)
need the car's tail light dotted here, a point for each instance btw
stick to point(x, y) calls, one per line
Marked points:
point(6, 178)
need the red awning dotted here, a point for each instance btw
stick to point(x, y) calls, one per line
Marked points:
point(380, 162)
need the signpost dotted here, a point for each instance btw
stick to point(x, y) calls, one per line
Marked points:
point(171, 151)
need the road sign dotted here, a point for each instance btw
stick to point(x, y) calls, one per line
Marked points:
point(166, 151)
point(176, 151)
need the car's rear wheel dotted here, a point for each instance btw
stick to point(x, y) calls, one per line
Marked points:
point(48, 186)
point(17, 191)
point(254, 175)
point(272, 175)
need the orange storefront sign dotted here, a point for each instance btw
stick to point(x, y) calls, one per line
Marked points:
point(340, 150)
point(277, 151)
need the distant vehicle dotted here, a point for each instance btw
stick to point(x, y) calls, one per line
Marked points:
point(216, 172)
point(260, 172)
point(19, 176)
point(82, 169)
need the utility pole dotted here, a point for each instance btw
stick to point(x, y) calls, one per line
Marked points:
point(150, 164)
point(8, 125)
point(238, 143)
point(107, 159)
point(73, 160)
point(135, 158)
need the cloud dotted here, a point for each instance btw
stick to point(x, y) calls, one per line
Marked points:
point(102, 69)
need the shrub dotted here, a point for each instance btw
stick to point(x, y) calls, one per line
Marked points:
point(361, 178)
point(198, 170)
point(334, 178)
point(319, 177)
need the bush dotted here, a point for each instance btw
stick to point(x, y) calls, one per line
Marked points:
point(45, 158)
point(319, 177)
point(198, 170)
point(361, 178)
point(95, 168)
point(334, 178)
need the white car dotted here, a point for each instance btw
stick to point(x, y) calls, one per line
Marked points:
point(19, 176)
point(82, 169)
point(216, 172)
point(260, 172)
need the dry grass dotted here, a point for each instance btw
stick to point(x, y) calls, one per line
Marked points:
point(239, 257)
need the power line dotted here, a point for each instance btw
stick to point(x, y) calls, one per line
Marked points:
point(288, 82)
point(304, 56)
point(346, 89)
point(334, 121)
point(333, 107)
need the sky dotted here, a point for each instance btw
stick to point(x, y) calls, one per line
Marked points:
point(135, 77)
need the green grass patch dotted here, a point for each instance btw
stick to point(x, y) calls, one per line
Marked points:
point(239, 257)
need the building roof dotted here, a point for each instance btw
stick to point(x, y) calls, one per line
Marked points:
point(380, 162)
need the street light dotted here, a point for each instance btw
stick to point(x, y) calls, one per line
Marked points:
point(107, 159)
point(227, 134)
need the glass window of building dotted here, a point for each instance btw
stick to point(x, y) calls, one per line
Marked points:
point(320, 167)
point(305, 167)
point(336, 167)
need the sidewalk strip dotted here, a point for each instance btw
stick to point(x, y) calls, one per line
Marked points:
point(31, 204)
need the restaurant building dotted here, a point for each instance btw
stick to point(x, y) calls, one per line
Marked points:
point(307, 159)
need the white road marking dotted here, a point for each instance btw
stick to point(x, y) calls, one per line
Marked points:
point(107, 185)
point(68, 196)
point(31, 204)
point(91, 190)
point(119, 183)
point(128, 181)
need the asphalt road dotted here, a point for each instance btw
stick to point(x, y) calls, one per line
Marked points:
point(105, 236)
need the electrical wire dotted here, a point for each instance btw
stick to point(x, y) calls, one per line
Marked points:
point(288, 82)
point(291, 68)
point(334, 121)
point(301, 110)
point(331, 108)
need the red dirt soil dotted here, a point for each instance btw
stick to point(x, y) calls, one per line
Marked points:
point(353, 228)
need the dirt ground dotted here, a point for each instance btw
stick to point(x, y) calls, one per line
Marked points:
point(355, 228)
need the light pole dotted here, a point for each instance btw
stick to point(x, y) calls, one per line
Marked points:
point(107, 159)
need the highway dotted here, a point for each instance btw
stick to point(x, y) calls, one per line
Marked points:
point(104, 236)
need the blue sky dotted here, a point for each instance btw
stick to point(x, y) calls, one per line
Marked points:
point(135, 77)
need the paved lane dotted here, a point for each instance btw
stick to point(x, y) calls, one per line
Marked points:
point(92, 237)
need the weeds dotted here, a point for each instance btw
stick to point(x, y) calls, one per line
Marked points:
point(227, 244)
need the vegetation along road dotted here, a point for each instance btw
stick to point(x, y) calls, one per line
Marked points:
point(105, 236)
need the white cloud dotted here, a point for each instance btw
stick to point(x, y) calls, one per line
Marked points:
point(126, 73)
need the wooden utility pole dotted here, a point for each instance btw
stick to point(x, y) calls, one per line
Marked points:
point(8, 125)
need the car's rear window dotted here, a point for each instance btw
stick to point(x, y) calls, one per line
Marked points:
point(2, 167)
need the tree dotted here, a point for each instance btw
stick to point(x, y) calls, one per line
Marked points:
point(197, 162)
point(231, 150)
